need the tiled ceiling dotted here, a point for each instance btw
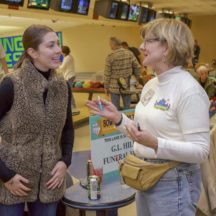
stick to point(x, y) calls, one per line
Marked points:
point(191, 7)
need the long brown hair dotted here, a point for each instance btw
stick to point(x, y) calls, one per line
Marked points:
point(32, 38)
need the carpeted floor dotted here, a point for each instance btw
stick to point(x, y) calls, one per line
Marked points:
point(81, 153)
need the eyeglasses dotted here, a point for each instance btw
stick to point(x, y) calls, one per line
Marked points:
point(150, 40)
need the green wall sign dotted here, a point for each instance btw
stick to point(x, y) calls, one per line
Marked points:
point(13, 48)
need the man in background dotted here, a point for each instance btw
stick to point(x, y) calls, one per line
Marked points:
point(120, 65)
point(3, 61)
point(134, 50)
point(139, 56)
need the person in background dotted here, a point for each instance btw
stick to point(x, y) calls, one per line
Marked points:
point(139, 57)
point(171, 121)
point(125, 45)
point(206, 82)
point(196, 53)
point(192, 70)
point(120, 64)
point(36, 128)
point(134, 50)
point(67, 68)
point(2, 59)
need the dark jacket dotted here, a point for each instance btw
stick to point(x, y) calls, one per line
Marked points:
point(209, 87)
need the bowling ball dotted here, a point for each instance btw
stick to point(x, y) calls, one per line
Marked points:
point(78, 85)
point(97, 85)
point(86, 84)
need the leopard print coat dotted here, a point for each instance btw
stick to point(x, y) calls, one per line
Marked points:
point(31, 132)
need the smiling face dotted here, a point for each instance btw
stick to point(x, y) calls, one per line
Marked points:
point(47, 56)
point(167, 43)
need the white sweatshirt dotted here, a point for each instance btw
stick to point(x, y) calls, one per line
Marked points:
point(175, 109)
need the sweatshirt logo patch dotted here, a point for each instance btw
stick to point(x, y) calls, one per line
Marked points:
point(147, 97)
point(162, 104)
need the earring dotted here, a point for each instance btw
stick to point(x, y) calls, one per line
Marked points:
point(164, 59)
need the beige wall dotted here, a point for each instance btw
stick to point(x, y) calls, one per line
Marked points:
point(90, 44)
point(204, 30)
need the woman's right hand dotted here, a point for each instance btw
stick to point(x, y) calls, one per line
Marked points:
point(16, 185)
point(109, 110)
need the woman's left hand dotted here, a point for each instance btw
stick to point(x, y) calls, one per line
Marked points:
point(141, 136)
point(58, 174)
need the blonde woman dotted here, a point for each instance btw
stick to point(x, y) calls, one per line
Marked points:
point(168, 115)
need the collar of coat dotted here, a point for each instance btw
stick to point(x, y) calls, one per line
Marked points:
point(34, 80)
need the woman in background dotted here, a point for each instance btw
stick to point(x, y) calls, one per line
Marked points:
point(35, 127)
point(67, 68)
point(205, 81)
point(171, 120)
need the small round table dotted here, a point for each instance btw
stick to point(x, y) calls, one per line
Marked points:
point(113, 196)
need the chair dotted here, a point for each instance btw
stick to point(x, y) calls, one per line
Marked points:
point(207, 202)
